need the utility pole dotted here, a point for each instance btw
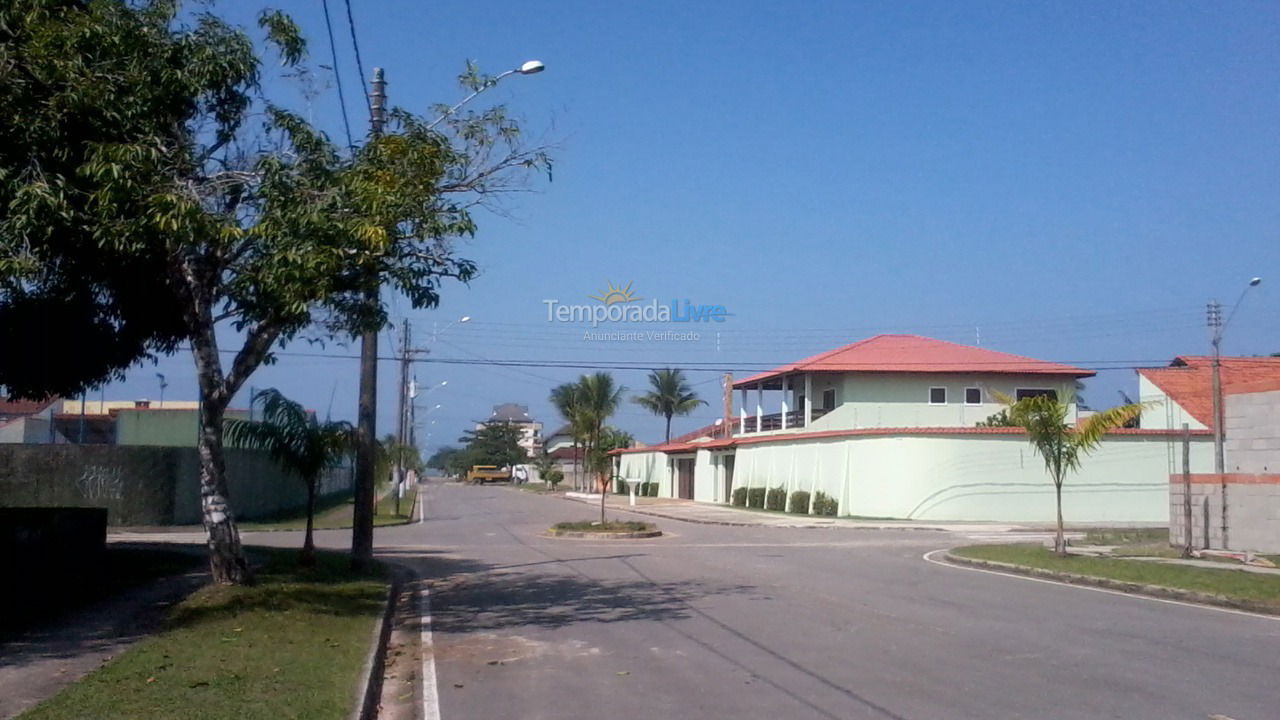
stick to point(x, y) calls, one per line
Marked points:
point(728, 404)
point(402, 433)
point(366, 418)
point(1219, 465)
point(1186, 491)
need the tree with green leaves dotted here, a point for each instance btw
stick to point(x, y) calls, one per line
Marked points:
point(440, 459)
point(299, 443)
point(565, 398)
point(495, 443)
point(156, 197)
point(1060, 444)
point(599, 397)
point(669, 395)
point(395, 460)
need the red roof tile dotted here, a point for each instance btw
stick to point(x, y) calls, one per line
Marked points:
point(13, 408)
point(1188, 380)
point(916, 354)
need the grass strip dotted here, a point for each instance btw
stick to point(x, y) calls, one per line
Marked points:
point(612, 526)
point(291, 646)
point(1233, 584)
point(339, 513)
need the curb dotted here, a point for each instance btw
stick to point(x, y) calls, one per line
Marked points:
point(603, 535)
point(1156, 591)
point(369, 690)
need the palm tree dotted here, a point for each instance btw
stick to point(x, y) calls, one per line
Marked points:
point(298, 443)
point(599, 397)
point(670, 396)
point(1063, 445)
point(566, 401)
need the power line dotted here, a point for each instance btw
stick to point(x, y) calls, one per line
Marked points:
point(355, 45)
point(1010, 366)
point(337, 74)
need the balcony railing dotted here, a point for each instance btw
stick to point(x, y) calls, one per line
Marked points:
point(773, 421)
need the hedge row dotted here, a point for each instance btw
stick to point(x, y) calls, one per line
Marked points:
point(800, 502)
point(644, 489)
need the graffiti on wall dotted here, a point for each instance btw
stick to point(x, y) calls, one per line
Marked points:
point(101, 482)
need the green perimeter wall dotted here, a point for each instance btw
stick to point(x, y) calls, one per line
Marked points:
point(147, 485)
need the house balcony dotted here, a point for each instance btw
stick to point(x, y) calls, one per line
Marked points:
point(795, 421)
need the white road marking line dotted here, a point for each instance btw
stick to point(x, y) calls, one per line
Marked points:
point(926, 557)
point(430, 692)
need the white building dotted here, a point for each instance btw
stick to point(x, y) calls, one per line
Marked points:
point(518, 415)
point(887, 427)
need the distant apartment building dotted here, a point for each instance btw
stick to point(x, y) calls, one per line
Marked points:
point(518, 415)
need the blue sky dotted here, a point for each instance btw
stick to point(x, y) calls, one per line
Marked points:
point(1070, 181)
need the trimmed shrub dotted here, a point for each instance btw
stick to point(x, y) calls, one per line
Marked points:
point(739, 498)
point(553, 477)
point(776, 499)
point(824, 504)
point(755, 497)
point(799, 502)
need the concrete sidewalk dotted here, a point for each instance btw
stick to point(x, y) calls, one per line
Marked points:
point(709, 514)
point(39, 662)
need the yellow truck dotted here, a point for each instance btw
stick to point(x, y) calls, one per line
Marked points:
point(487, 473)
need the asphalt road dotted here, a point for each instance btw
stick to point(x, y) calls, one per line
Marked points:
point(730, 622)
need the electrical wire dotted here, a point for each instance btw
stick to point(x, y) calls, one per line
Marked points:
point(337, 74)
point(355, 45)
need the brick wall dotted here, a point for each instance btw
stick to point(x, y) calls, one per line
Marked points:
point(1252, 429)
point(1253, 511)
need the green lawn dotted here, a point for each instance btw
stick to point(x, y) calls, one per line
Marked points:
point(291, 646)
point(337, 513)
point(1232, 583)
point(1134, 542)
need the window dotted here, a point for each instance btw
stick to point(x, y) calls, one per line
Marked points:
point(829, 399)
point(937, 396)
point(1022, 393)
point(973, 396)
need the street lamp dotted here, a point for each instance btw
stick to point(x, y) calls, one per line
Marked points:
point(531, 67)
point(1217, 327)
point(366, 416)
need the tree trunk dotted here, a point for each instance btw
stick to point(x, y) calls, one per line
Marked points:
point(1059, 542)
point(308, 556)
point(226, 558)
point(668, 428)
point(603, 492)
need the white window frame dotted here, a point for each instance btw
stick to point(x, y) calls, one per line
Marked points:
point(966, 396)
point(943, 388)
point(1017, 390)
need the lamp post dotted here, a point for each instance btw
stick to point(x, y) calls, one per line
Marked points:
point(1217, 327)
point(366, 416)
